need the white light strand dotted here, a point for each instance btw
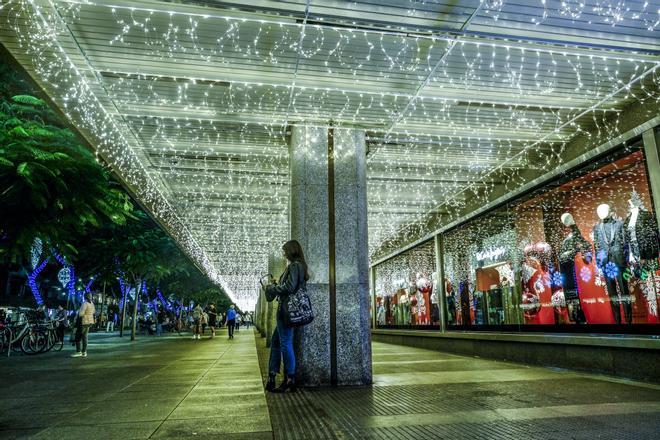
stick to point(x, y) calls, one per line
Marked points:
point(204, 102)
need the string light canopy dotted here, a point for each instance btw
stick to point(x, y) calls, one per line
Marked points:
point(192, 104)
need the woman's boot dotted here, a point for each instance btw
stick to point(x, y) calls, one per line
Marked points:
point(288, 384)
point(270, 385)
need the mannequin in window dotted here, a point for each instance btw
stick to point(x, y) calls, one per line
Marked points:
point(642, 235)
point(465, 300)
point(435, 306)
point(414, 307)
point(380, 310)
point(424, 289)
point(452, 309)
point(573, 244)
point(394, 310)
point(536, 283)
point(404, 307)
point(609, 241)
point(641, 231)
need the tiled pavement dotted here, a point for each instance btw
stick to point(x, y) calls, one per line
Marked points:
point(175, 387)
point(422, 394)
point(168, 387)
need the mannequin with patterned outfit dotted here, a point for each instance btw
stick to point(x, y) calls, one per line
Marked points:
point(610, 245)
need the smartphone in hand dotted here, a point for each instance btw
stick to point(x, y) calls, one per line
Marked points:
point(266, 280)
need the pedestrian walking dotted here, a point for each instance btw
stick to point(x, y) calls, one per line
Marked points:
point(86, 316)
point(295, 276)
point(213, 318)
point(61, 322)
point(161, 316)
point(204, 321)
point(237, 322)
point(102, 319)
point(178, 324)
point(197, 317)
point(110, 325)
point(231, 320)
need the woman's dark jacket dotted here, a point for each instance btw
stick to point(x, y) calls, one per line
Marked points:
point(291, 280)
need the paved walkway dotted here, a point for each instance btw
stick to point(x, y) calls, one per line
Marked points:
point(422, 394)
point(168, 387)
point(174, 387)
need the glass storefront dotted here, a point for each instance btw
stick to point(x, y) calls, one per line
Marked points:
point(405, 294)
point(580, 253)
point(480, 286)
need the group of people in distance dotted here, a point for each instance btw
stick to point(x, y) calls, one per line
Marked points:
point(294, 278)
point(201, 318)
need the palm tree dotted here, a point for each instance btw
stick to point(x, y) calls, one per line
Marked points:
point(51, 186)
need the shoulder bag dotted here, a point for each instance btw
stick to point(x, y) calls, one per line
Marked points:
point(297, 307)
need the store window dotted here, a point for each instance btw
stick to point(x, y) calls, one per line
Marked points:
point(405, 291)
point(580, 253)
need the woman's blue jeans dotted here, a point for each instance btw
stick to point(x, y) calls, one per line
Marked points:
point(281, 348)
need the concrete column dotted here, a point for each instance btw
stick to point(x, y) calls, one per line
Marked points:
point(276, 266)
point(652, 149)
point(262, 313)
point(271, 311)
point(440, 270)
point(372, 289)
point(328, 206)
point(256, 312)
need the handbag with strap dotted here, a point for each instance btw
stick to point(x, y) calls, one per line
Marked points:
point(297, 307)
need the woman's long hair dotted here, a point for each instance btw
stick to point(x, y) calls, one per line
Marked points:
point(293, 252)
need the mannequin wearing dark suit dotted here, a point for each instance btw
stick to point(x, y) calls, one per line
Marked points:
point(610, 245)
point(464, 295)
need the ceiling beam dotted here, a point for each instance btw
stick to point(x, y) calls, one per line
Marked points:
point(399, 115)
point(529, 39)
point(295, 70)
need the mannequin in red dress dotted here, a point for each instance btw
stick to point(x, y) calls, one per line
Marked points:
point(424, 287)
point(537, 292)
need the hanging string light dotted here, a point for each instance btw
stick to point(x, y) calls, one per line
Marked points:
point(193, 110)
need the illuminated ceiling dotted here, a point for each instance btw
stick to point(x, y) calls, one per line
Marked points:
point(192, 102)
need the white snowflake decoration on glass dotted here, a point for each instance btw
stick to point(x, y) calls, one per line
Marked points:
point(611, 270)
point(539, 286)
point(651, 289)
point(558, 299)
point(506, 274)
point(600, 278)
point(557, 279)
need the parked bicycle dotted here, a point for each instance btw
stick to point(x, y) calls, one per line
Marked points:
point(30, 338)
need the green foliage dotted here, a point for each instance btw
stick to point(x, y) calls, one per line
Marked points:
point(142, 251)
point(50, 185)
point(53, 188)
point(29, 100)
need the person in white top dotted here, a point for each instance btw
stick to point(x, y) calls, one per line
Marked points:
point(197, 318)
point(86, 317)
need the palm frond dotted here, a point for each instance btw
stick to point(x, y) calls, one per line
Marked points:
point(28, 99)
